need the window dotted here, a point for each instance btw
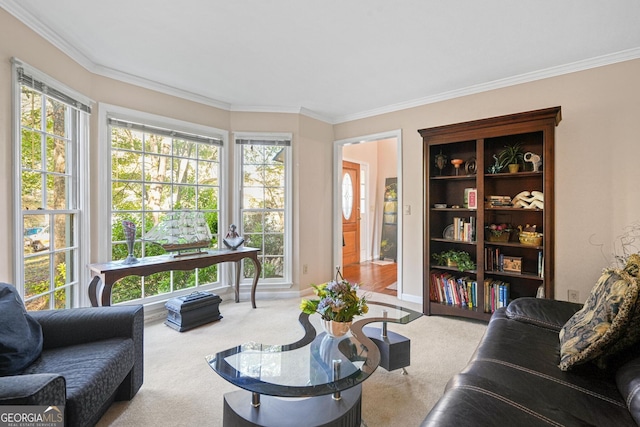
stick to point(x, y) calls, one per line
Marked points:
point(51, 134)
point(264, 165)
point(156, 172)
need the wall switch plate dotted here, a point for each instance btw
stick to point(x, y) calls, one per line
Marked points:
point(573, 295)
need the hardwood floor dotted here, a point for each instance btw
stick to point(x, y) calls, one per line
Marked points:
point(372, 277)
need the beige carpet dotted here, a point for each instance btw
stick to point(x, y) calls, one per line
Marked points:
point(180, 389)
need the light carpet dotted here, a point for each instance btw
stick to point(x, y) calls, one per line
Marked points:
point(180, 389)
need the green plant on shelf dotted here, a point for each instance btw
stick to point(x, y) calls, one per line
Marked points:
point(460, 259)
point(511, 155)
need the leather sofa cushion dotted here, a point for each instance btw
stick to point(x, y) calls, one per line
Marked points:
point(20, 334)
point(513, 379)
point(542, 312)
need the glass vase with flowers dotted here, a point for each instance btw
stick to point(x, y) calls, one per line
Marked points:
point(337, 303)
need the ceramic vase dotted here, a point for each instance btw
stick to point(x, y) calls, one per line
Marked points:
point(335, 329)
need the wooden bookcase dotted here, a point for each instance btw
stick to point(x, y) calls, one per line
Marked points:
point(476, 143)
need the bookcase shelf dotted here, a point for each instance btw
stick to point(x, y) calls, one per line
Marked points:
point(529, 268)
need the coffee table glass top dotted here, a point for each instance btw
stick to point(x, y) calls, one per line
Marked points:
point(317, 364)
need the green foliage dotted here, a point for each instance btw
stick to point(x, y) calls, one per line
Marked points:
point(461, 258)
point(511, 154)
point(171, 175)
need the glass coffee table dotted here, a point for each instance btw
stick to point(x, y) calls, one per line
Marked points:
point(313, 381)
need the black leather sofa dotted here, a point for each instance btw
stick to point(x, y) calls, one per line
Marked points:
point(513, 378)
point(90, 357)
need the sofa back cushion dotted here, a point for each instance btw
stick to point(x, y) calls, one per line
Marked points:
point(20, 334)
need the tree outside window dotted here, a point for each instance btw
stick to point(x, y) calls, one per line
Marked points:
point(152, 175)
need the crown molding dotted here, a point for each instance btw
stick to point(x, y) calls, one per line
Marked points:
point(287, 110)
point(159, 87)
point(600, 61)
point(15, 9)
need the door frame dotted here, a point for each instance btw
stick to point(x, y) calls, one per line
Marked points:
point(337, 193)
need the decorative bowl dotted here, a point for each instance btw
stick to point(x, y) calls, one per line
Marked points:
point(530, 238)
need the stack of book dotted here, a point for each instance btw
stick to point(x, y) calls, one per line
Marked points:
point(448, 289)
point(496, 295)
point(493, 259)
point(464, 229)
point(498, 201)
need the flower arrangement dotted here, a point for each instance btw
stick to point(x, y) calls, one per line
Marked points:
point(337, 300)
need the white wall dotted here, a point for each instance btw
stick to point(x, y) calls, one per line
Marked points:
point(597, 147)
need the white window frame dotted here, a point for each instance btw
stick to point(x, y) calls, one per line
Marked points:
point(275, 282)
point(103, 215)
point(79, 295)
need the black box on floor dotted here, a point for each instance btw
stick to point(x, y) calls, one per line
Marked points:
point(188, 311)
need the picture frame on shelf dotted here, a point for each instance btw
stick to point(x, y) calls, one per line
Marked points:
point(512, 264)
point(471, 198)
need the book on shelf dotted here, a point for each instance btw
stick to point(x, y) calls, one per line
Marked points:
point(449, 289)
point(493, 259)
point(464, 229)
point(540, 264)
point(498, 201)
point(496, 294)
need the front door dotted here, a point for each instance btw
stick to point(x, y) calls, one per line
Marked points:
point(350, 213)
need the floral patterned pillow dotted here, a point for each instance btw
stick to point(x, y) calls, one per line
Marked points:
point(632, 332)
point(595, 330)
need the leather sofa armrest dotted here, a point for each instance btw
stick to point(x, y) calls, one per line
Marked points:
point(546, 313)
point(33, 389)
point(628, 379)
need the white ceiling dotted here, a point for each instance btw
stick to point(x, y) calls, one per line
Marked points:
point(335, 60)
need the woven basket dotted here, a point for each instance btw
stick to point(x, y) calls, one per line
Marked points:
point(530, 238)
point(501, 237)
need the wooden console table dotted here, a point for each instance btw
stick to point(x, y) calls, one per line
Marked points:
point(110, 272)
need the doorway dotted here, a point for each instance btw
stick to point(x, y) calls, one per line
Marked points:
point(378, 158)
point(350, 213)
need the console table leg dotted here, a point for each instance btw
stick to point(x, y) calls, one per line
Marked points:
point(237, 287)
point(93, 290)
point(254, 285)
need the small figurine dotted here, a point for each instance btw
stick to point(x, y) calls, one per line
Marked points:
point(496, 166)
point(534, 159)
point(232, 240)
